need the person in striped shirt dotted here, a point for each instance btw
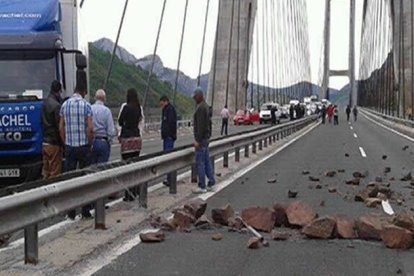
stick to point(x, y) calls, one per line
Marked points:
point(76, 130)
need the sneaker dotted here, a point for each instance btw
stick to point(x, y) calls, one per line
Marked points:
point(165, 182)
point(199, 191)
point(211, 189)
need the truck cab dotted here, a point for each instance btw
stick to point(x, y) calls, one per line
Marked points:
point(37, 45)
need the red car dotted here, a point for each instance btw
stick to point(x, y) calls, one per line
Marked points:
point(246, 118)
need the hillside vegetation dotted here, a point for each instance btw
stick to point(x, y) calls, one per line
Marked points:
point(125, 76)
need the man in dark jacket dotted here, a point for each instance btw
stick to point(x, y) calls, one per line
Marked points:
point(202, 134)
point(168, 128)
point(52, 143)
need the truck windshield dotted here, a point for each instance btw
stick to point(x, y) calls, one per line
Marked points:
point(27, 75)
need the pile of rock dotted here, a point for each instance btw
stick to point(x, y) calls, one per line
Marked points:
point(395, 232)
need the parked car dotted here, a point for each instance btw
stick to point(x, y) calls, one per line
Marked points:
point(265, 112)
point(248, 117)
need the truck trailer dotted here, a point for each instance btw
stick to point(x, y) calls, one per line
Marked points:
point(39, 42)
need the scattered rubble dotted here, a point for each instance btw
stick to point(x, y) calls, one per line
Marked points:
point(222, 215)
point(292, 194)
point(318, 187)
point(321, 228)
point(253, 243)
point(341, 171)
point(280, 215)
point(305, 172)
point(345, 227)
point(280, 236)
point(182, 219)
point(384, 157)
point(372, 202)
point(387, 170)
point(332, 189)
point(272, 180)
point(314, 179)
point(196, 207)
point(217, 237)
point(300, 214)
point(346, 154)
point(407, 177)
point(168, 226)
point(397, 237)
point(378, 179)
point(404, 220)
point(358, 175)
point(354, 181)
point(369, 227)
point(262, 219)
point(322, 204)
point(405, 148)
point(330, 173)
point(203, 222)
point(152, 237)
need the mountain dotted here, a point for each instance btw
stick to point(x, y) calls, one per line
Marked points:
point(126, 75)
point(342, 97)
point(185, 83)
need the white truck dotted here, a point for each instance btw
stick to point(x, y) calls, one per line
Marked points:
point(39, 42)
point(266, 112)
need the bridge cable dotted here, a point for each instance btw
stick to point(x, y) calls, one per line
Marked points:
point(238, 57)
point(203, 43)
point(180, 51)
point(213, 83)
point(148, 84)
point(109, 71)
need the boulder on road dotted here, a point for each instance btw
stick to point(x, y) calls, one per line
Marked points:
point(280, 215)
point(314, 179)
point(261, 219)
point(345, 227)
point(235, 224)
point(300, 214)
point(332, 189)
point(152, 237)
point(358, 175)
point(321, 228)
point(369, 227)
point(253, 243)
point(196, 207)
point(404, 220)
point(217, 237)
point(397, 237)
point(407, 177)
point(203, 222)
point(292, 194)
point(182, 219)
point(280, 236)
point(355, 181)
point(222, 215)
point(168, 225)
point(370, 191)
point(372, 202)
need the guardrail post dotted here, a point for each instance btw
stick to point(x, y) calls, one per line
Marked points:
point(265, 142)
point(226, 159)
point(172, 178)
point(270, 140)
point(31, 245)
point(260, 145)
point(100, 214)
point(254, 149)
point(277, 136)
point(237, 154)
point(246, 151)
point(213, 164)
point(194, 173)
point(143, 194)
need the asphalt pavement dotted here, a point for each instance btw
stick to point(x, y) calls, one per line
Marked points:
point(323, 149)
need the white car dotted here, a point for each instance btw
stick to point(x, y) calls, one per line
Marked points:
point(265, 112)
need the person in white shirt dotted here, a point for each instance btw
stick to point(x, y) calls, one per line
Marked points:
point(225, 115)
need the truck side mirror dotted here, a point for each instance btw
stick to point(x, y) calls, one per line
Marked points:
point(81, 62)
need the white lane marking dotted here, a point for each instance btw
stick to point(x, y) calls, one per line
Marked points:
point(352, 128)
point(103, 261)
point(355, 135)
point(388, 128)
point(362, 152)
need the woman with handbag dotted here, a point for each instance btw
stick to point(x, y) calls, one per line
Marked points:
point(131, 121)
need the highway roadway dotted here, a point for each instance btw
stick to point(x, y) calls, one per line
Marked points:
point(323, 149)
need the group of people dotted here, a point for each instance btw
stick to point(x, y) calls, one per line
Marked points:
point(332, 112)
point(83, 134)
point(298, 109)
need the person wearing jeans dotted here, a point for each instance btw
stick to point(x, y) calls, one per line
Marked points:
point(76, 130)
point(103, 129)
point(225, 115)
point(168, 129)
point(202, 133)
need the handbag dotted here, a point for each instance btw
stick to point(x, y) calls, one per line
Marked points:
point(132, 144)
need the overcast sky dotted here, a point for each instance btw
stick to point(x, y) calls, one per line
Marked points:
point(101, 19)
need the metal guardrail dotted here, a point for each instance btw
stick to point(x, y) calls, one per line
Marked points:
point(397, 120)
point(26, 209)
point(153, 126)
